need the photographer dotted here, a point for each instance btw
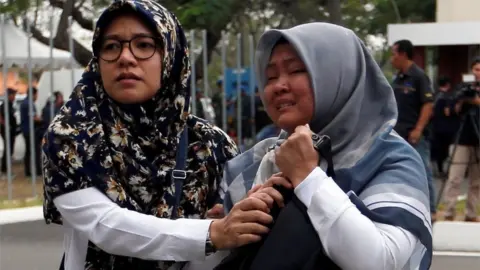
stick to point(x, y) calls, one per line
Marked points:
point(444, 123)
point(465, 151)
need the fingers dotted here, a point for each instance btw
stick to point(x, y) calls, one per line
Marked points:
point(275, 195)
point(251, 203)
point(251, 228)
point(246, 239)
point(265, 197)
point(304, 130)
point(278, 181)
point(251, 210)
point(255, 216)
point(217, 211)
point(254, 189)
point(270, 195)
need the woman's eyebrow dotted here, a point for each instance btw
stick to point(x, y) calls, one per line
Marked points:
point(286, 60)
point(134, 35)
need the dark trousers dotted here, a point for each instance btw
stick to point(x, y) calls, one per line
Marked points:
point(12, 145)
point(440, 147)
point(28, 154)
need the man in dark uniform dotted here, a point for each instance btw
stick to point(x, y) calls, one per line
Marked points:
point(11, 129)
point(27, 133)
point(414, 96)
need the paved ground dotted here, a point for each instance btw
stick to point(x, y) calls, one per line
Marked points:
point(455, 262)
point(35, 246)
point(30, 246)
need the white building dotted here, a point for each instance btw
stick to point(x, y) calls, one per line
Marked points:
point(446, 46)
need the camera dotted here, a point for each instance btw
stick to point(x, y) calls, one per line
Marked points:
point(468, 90)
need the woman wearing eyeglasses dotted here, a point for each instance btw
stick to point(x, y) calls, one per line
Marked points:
point(128, 172)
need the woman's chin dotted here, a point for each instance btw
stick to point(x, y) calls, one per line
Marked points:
point(130, 97)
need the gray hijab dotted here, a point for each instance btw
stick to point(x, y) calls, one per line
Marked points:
point(353, 99)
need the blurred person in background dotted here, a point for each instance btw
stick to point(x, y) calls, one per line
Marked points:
point(414, 97)
point(12, 128)
point(444, 124)
point(217, 101)
point(27, 133)
point(47, 113)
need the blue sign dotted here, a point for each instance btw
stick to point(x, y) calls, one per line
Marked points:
point(230, 81)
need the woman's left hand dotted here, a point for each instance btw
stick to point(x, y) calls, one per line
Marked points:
point(267, 191)
point(296, 157)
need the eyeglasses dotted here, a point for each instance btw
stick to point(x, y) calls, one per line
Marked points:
point(141, 47)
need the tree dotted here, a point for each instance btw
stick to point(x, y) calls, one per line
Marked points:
point(237, 16)
point(385, 12)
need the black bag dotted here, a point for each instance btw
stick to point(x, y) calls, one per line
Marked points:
point(291, 244)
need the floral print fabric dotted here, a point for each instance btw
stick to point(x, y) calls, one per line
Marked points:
point(128, 151)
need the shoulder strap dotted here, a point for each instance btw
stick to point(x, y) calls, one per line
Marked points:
point(179, 174)
point(323, 145)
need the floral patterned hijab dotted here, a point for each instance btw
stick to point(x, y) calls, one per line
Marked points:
point(128, 151)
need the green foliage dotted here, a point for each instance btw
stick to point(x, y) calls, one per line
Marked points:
point(15, 7)
point(384, 13)
point(365, 17)
point(201, 14)
point(101, 3)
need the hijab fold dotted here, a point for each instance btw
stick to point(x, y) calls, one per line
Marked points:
point(128, 151)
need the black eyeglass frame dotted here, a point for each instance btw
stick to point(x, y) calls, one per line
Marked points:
point(157, 41)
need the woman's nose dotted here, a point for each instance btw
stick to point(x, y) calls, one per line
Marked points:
point(281, 85)
point(126, 56)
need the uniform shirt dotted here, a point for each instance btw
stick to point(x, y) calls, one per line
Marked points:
point(412, 90)
point(11, 115)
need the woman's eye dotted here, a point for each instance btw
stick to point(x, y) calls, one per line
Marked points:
point(110, 46)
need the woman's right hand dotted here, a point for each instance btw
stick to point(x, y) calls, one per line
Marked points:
point(247, 220)
point(245, 224)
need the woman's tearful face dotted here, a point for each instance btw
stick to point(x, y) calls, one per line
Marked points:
point(288, 93)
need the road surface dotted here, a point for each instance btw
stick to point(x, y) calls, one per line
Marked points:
point(36, 246)
point(30, 246)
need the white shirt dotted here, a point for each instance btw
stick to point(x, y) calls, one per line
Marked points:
point(349, 238)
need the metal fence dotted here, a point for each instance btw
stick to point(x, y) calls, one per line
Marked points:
point(239, 114)
point(11, 59)
point(243, 139)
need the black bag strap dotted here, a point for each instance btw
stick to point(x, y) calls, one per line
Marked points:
point(62, 263)
point(179, 174)
point(323, 145)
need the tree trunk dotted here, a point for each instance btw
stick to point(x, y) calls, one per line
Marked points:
point(212, 40)
point(334, 8)
point(81, 54)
